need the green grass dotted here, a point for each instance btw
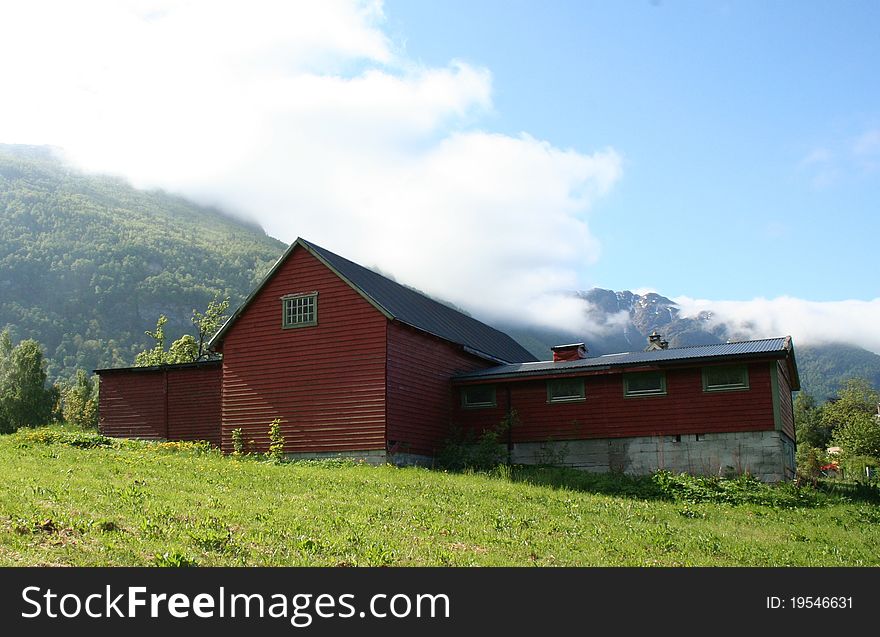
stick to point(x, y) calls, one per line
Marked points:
point(70, 498)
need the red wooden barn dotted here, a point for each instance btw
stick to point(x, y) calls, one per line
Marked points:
point(354, 364)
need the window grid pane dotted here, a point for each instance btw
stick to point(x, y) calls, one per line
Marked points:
point(566, 389)
point(644, 384)
point(300, 310)
point(727, 377)
point(478, 396)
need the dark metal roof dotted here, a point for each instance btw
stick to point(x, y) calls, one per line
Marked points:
point(764, 348)
point(408, 306)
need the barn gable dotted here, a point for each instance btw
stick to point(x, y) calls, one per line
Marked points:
point(403, 304)
point(324, 379)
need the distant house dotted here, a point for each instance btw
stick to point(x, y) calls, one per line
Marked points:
point(357, 365)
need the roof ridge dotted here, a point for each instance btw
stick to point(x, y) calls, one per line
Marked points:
point(750, 340)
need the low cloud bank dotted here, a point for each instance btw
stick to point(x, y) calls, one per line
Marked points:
point(808, 322)
point(308, 118)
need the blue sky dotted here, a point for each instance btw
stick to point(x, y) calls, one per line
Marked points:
point(739, 124)
point(497, 154)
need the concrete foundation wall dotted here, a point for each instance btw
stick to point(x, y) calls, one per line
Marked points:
point(767, 455)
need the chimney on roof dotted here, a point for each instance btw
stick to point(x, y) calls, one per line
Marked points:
point(570, 352)
point(656, 341)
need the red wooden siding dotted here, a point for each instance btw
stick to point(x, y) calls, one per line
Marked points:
point(605, 413)
point(419, 370)
point(326, 383)
point(194, 404)
point(786, 406)
point(171, 403)
point(132, 404)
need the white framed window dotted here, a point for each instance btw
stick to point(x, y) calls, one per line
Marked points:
point(565, 390)
point(299, 310)
point(644, 384)
point(725, 377)
point(478, 396)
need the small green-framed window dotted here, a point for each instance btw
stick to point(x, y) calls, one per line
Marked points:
point(565, 390)
point(299, 310)
point(725, 377)
point(644, 384)
point(478, 396)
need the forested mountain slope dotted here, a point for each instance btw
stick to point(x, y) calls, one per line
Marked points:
point(87, 263)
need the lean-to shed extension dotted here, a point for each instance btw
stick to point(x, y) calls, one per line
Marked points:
point(171, 402)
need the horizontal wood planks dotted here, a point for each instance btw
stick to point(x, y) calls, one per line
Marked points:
point(194, 404)
point(606, 413)
point(786, 406)
point(420, 367)
point(131, 404)
point(325, 382)
point(165, 403)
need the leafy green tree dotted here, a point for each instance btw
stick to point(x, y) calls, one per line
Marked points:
point(156, 355)
point(208, 324)
point(853, 419)
point(183, 350)
point(187, 348)
point(25, 401)
point(856, 398)
point(79, 400)
point(808, 421)
point(859, 437)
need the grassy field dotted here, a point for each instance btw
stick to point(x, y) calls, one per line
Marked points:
point(69, 498)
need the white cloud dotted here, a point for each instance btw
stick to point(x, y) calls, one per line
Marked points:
point(600, 325)
point(306, 117)
point(808, 322)
point(817, 156)
point(851, 157)
point(868, 143)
